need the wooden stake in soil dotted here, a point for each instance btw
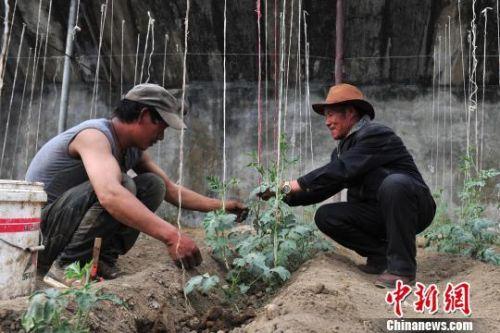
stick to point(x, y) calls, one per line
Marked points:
point(95, 257)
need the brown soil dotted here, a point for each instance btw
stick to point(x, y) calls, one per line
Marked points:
point(327, 294)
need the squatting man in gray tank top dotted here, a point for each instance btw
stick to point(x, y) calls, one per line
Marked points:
point(90, 194)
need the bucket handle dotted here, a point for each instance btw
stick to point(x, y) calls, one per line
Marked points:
point(28, 249)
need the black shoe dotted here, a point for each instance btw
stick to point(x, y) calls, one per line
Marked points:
point(374, 265)
point(108, 271)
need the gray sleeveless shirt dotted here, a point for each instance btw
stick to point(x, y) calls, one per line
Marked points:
point(54, 166)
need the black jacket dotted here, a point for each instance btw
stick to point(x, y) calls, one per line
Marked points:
point(360, 163)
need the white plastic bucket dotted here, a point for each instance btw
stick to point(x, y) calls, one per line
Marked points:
point(20, 208)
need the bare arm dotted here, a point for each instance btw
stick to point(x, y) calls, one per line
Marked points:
point(104, 174)
point(190, 200)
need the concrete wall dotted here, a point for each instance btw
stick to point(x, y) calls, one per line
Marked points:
point(395, 49)
point(411, 111)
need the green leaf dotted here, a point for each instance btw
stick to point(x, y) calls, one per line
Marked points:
point(203, 283)
point(214, 184)
point(77, 272)
point(227, 220)
point(259, 189)
point(209, 282)
point(192, 283)
point(243, 288)
point(479, 225)
point(253, 260)
point(85, 301)
point(491, 256)
point(302, 229)
point(248, 245)
point(289, 219)
point(111, 298)
point(283, 273)
point(288, 245)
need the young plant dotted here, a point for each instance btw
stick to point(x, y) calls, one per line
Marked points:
point(217, 224)
point(47, 309)
point(202, 283)
point(473, 235)
point(78, 273)
point(276, 244)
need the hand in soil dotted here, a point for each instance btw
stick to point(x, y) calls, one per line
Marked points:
point(184, 252)
point(238, 208)
point(266, 195)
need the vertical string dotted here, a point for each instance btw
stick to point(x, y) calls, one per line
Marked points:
point(297, 85)
point(224, 111)
point(144, 53)
point(26, 79)
point(287, 72)
point(445, 123)
point(36, 57)
point(12, 98)
point(152, 48)
point(136, 57)
point(93, 107)
point(485, 13)
point(4, 51)
point(299, 67)
point(111, 54)
point(276, 74)
point(181, 145)
point(266, 88)
point(43, 76)
point(438, 108)
point(259, 88)
point(121, 62)
point(469, 65)
point(164, 61)
point(451, 114)
point(76, 28)
point(280, 93)
point(308, 101)
point(433, 168)
point(7, 47)
point(463, 62)
point(498, 42)
point(474, 87)
point(163, 85)
point(278, 159)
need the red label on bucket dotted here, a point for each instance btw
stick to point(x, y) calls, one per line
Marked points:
point(19, 224)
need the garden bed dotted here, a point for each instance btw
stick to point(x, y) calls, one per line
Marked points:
point(326, 294)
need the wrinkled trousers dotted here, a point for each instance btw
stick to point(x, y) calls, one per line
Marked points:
point(72, 222)
point(383, 231)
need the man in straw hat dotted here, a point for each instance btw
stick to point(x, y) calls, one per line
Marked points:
point(388, 202)
point(91, 195)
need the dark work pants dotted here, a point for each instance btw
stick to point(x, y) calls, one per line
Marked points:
point(72, 222)
point(383, 231)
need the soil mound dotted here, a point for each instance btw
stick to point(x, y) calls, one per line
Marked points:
point(327, 294)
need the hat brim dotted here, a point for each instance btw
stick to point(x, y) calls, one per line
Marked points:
point(172, 120)
point(360, 104)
